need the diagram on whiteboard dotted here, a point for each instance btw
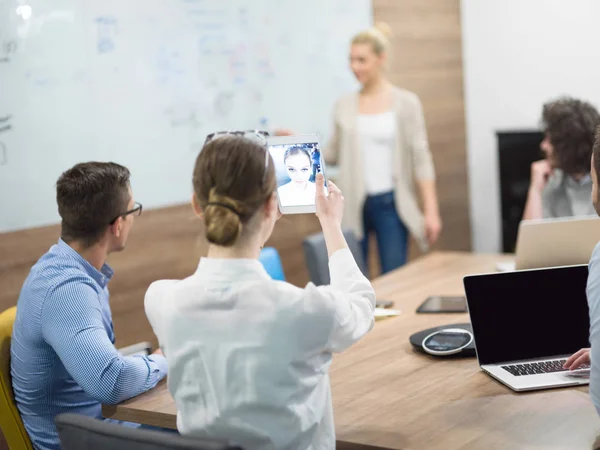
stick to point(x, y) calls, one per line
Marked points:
point(143, 82)
point(107, 29)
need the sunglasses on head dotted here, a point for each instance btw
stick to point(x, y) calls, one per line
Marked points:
point(262, 135)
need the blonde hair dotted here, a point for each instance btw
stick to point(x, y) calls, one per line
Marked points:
point(377, 37)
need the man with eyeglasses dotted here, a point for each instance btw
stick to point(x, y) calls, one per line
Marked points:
point(63, 357)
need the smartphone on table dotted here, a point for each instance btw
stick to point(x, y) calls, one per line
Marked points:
point(440, 304)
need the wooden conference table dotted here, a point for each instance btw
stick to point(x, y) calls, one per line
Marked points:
point(386, 395)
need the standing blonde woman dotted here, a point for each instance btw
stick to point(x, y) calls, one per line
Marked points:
point(380, 145)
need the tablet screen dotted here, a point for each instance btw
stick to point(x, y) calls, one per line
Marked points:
point(296, 166)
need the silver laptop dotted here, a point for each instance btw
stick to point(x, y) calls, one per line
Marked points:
point(554, 242)
point(527, 323)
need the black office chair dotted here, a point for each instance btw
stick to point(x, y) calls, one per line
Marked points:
point(78, 432)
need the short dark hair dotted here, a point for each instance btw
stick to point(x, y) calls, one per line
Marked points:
point(89, 196)
point(570, 125)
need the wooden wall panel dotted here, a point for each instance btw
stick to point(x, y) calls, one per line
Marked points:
point(426, 58)
point(164, 243)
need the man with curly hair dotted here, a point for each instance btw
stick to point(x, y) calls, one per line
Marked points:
point(560, 184)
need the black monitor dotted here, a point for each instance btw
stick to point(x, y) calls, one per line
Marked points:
point(516, 151)
point(528, 314)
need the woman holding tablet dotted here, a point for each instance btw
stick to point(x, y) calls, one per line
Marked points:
point(379, 143)
point(249, 356)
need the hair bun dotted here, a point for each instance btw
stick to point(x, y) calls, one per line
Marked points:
point(384, 29)
point(377, 37)
point(231, 187)
point(222, 220)
point(223, 226)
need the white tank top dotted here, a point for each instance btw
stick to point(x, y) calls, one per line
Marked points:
point(377, 133)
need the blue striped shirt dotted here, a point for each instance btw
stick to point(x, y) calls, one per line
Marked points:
point(63, 357)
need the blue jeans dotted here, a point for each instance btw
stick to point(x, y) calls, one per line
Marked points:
point(380, 216)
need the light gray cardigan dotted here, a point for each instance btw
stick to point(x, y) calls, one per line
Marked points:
point(411, 160)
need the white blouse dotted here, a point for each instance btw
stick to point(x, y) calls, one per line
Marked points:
point(249, 356)
point(377, 134)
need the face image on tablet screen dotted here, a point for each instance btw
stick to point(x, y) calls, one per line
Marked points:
point(296, 168)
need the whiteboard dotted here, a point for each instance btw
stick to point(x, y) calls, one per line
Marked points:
point(142, 82)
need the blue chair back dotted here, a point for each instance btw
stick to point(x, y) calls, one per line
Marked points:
point(269, 257)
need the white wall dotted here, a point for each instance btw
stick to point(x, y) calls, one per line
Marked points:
point(518, 54)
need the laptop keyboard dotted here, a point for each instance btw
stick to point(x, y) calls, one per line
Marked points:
point(537, 368)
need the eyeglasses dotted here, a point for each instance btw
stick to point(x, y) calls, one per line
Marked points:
point(256, 134)
point(137, 210)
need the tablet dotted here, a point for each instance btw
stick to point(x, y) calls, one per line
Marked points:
point(297, 161)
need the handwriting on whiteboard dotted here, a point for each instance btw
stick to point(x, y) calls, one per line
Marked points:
point(107, 31)
point(4, 127)
point(3, 155)
point(183, 115)
point(7, 49)
point(5, 123)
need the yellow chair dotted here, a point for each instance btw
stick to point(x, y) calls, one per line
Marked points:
point(10, 421)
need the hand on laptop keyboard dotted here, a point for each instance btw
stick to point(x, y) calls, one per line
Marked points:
point(578, 360)
point(537, 368)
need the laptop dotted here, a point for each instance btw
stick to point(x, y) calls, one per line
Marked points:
point(527, 323)
point(554, 242)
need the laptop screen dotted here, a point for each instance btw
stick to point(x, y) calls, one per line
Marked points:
point(528, 314)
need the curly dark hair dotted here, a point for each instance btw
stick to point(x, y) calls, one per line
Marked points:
point(570, 125)
point(596, 153)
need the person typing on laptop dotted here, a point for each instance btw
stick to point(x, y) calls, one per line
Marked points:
point(591, 355)
point(560, 184)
